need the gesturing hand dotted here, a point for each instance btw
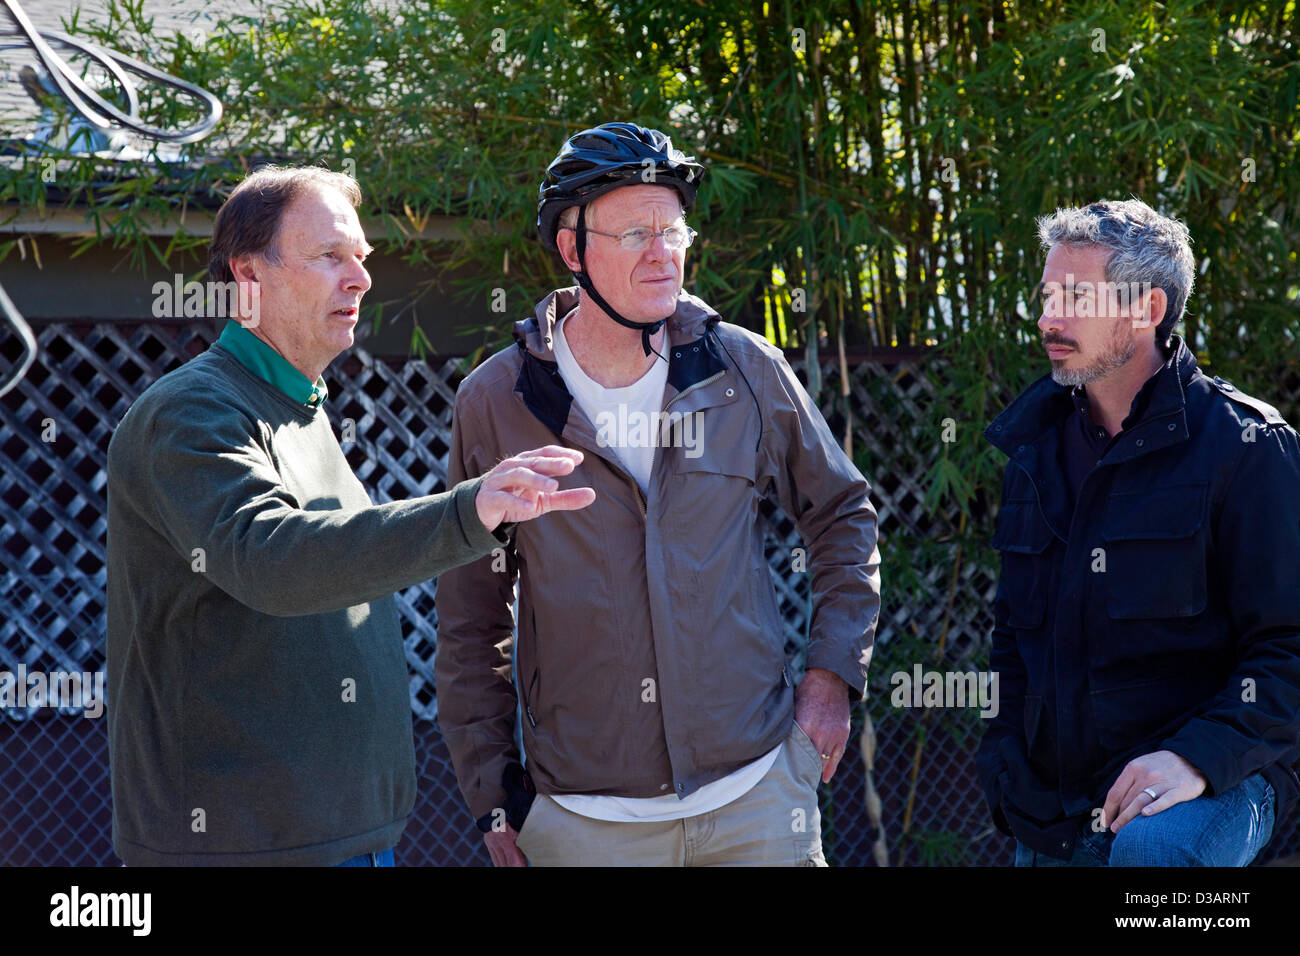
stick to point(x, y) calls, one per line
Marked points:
point(1168, 775)
point(520, 488)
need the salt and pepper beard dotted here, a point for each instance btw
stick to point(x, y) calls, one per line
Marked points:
point(1117, 355)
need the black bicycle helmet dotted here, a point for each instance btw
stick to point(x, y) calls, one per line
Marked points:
point(611, 155)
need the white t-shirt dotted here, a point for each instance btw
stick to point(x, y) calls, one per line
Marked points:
point(709, 797)
point(624, 418)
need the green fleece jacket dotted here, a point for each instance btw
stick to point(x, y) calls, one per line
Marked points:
point(259, 707)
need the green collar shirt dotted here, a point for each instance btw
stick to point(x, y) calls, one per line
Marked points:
point(265, 362)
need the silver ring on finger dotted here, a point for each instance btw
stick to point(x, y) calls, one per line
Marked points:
point(1151, 793)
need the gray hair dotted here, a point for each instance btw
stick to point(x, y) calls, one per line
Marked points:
point(1146, 247)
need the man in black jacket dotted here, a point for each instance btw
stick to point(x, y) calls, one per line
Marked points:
point(1147, 620)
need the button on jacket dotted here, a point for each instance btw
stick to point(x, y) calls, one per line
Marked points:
point(651, 654)
point(1162, 612)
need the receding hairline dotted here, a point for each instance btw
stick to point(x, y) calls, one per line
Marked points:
point(316, 188)
point(1083, 245)
point(250, 220)
point(569, 217)
point(299, 177)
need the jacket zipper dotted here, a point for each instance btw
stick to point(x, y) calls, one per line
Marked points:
point(531, 692)
point(640, 500)
point(686, 391)
point(528, 706)
point(690, 388)
point(617, 466)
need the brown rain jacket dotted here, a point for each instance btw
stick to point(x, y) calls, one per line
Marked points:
point(651, 657)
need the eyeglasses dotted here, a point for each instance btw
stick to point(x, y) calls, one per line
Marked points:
point(676, 236)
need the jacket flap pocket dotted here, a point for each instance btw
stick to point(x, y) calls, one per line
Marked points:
point(1022, 535)
point(734, 466)
point(1021, 529)
point(1164, 514)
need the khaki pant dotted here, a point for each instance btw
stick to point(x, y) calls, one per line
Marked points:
point(775, 824)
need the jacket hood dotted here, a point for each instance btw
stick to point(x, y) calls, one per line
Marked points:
point(535, 333)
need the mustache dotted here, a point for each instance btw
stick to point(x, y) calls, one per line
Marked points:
point(1057, 340)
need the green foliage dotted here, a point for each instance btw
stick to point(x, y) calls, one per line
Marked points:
point(887, 158)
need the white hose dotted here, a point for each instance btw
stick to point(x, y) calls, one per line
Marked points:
point(102, 114)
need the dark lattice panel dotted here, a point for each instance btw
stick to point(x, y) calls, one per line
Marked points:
point(54, 436)
point(401, 418)
point(893, 423)
point(54, 790)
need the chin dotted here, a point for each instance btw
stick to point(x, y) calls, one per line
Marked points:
point(658, 308)
point(342, 341)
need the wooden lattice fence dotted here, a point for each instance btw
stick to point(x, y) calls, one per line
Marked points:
point(54, 433)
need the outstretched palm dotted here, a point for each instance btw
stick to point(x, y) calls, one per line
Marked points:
point(523, 487)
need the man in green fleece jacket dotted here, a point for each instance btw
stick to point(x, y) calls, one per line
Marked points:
point(259, 708)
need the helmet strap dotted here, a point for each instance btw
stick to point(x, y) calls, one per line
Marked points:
point(646, 329)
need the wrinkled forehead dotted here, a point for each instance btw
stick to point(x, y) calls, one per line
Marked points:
point(632, 205)
point(319, 214)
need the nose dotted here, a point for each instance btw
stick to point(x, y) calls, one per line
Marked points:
point(658, 250)
point(1051, 319)
point(358, 279)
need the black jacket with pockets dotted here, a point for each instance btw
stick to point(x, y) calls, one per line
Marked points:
point(1162, 612)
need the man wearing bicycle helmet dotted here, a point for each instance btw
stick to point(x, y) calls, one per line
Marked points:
point(660, 724)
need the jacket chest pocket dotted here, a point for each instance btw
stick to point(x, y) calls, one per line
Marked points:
point(1156, 553)
point(1023, 537)
point(711, 497)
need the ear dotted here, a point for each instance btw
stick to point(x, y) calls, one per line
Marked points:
point(1153, 312)
point(244, 268)
point(567, 240)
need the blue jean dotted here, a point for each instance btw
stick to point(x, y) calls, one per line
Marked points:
point(1228, 829)
point(371, 859)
